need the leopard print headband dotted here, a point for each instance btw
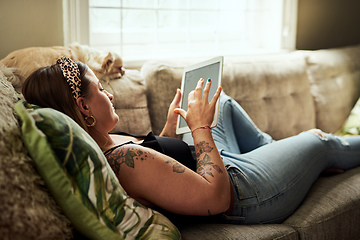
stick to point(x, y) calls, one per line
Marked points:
point(71, 73)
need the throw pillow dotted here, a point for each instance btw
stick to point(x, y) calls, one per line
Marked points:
point(82, 182)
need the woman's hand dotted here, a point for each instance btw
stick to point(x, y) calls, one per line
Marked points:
point(200, 111)
point(169, 129)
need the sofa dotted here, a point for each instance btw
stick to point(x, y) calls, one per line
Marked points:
point(284, 94)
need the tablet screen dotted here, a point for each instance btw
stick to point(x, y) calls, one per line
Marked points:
point(210, 69)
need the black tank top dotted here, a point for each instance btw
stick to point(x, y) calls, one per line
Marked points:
point(171, 147)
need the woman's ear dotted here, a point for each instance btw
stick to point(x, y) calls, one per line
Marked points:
point(83, 107)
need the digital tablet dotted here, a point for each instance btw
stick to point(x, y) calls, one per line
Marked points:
point(212, 69)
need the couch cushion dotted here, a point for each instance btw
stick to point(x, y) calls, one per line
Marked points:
point(27, 209)
point(274, 90)
point(130, 102)
point(331, 209)
point(228, 231)
point(334, 75)
point(81, 181)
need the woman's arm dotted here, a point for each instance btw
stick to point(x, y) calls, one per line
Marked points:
point(156, 179)
point(153, 178)
point(199, 117)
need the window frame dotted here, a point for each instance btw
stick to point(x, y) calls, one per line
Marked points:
point(76, 23)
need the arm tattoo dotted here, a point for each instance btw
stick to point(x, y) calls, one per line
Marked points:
point(177, 167)
point(126, 156)
point(203, 147)
point(205, 166)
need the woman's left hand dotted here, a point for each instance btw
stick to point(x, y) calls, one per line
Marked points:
point(169, 129)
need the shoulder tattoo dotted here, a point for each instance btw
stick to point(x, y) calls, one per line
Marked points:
point(127, 156)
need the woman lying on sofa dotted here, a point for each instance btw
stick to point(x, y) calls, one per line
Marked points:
point(240, 173)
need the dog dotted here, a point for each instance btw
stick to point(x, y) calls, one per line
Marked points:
point(22, 63)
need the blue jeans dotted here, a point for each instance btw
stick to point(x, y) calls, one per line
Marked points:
point(271, 178)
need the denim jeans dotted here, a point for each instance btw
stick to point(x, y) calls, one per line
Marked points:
point(271, 178)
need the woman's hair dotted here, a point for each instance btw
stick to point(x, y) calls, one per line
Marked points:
point(47, 87)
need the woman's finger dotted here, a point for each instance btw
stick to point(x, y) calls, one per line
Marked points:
point(198, 89)
point(177, 97)
point(180, 111)
point(207, 90)
point(216, 96)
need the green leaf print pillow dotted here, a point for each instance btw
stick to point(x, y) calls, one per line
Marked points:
point(82, 182)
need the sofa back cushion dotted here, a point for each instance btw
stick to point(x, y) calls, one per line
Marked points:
point(334, 75)
point(274, 90)
point(162, 79)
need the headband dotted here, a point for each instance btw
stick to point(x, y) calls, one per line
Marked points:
point(71, 73)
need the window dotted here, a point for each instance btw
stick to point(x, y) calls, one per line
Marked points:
point(142, 29)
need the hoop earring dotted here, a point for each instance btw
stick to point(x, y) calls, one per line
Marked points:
point(93, 123)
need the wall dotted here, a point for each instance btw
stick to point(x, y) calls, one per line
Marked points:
point(327, 23)
point(27, 23)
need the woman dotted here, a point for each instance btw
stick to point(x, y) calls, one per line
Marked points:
point(240, 172)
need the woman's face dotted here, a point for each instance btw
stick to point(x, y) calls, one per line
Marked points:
point(100, 105)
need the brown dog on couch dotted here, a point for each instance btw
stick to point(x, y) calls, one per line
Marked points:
point(23, 62)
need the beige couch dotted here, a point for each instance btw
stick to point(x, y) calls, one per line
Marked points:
point(283, 93)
